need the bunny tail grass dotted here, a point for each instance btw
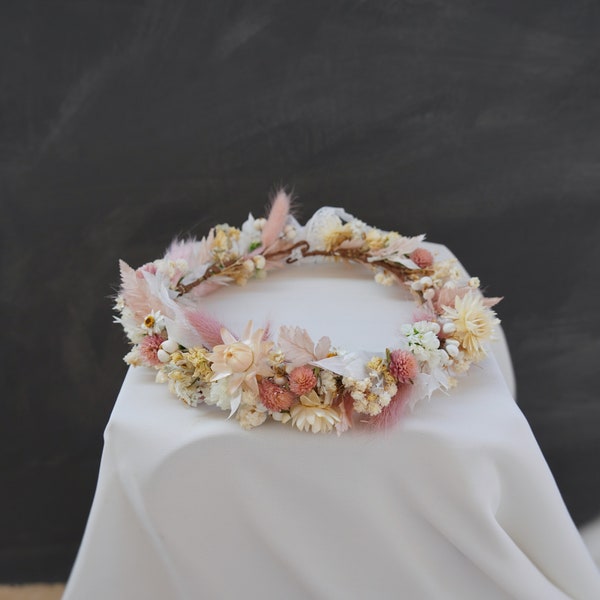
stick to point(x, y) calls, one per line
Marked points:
point(278, 214)
point(391, 414)
point(208, 327)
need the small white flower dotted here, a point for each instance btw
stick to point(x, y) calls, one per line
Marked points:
point(452, 350)
point(259, 262)
point(170, 346)
point(130, 325)
point(251, 416)
point(449, 328)
point(133, 357)
point(384, 278)
point(153, 323)
point(290, 232)
point(190, 394)
point(327, 386)
point(281, 417)
point(163, 356)
point(218, 394)
point(423, 341)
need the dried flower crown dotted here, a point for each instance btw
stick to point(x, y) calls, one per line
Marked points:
point(314, 386)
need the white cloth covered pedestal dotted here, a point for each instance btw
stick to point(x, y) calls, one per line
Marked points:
point(456, 501)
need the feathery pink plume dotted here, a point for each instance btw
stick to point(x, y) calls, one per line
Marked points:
point(136, 292)
point(492, 301)
point(205, 288)
point(391, 414)
point(208, 327)
point(267, 331)
point(346, 406)
point(182, 249)
point(447, 296)
point(278, 214)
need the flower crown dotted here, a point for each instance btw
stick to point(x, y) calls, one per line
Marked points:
point(315, 386)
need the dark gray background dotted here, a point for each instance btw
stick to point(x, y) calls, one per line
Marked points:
point(125, 122)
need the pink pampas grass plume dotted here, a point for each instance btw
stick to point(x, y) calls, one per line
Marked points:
point(136, 292)
point(184, 249)
point(208, 327)
point(278, 214)
point(403, 366)
point(267, 331)
point(148, 349)
point(302, 380)
point(391, 414)
point(205, 288)
point(447, 296)
point(274, 397)
point(489, 302)
point(421, 257)
point(149, 268)
point(346, 406)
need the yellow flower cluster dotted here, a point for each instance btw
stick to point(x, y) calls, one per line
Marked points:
point(224, 248)
point(336, 236)
point(372, 394)
point(188, 374)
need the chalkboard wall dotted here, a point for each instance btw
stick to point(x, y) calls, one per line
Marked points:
point(125, 123)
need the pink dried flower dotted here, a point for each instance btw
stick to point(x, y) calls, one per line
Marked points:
point(148, 349)
point(423, 258)
point(302, 380)
point(403, 366)
point(274, 397)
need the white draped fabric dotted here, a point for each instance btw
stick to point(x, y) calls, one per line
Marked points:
point(456, 501)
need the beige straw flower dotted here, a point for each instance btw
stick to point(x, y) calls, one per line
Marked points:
point(241, 361)
point(312, 414)
point(474, 323)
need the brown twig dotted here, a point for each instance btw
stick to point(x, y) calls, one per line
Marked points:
point(350, 254)
point(210, 272)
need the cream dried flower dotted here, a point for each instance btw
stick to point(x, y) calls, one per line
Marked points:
point(239, 362)
point(251, 416)
point(191, 392)
point(133, 357)
point(474, 323)
point(312, 414)
point(327, 385)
